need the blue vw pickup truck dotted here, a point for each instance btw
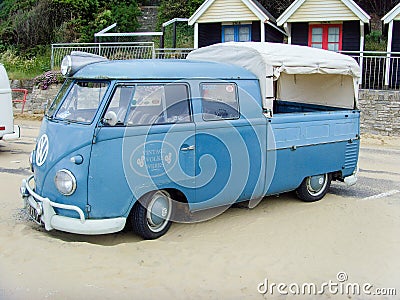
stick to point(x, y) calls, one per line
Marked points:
point(127, 144)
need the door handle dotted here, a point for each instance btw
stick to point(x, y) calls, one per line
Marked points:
point(189, 148)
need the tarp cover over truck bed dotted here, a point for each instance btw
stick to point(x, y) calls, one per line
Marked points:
point(304, 74)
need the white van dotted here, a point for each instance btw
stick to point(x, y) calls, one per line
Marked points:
point(8, 131)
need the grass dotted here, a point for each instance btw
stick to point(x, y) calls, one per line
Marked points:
point(25, 66)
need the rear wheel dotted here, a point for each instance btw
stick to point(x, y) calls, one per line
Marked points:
point(151, 215)
point(314, 188)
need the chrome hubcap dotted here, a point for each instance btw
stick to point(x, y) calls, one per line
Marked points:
point(317, 184)
point(159, 211)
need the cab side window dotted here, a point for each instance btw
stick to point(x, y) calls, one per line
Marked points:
point(149, 104)
point(219, 101)
point(120, 102)
point(159, 104)
point(177, 103)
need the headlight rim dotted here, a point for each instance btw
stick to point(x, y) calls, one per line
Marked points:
point(73, 179)
point(66, 65)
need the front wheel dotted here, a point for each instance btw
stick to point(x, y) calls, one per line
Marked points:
point(314, 188)
point(151, 215)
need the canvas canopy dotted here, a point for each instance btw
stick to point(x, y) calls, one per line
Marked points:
point(333, 78)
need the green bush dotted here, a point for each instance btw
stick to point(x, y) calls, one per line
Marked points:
point(184, 36)
point(26, 65)
point(123, 13)
point(170, 9)
point(375, 41)
point(30, 25)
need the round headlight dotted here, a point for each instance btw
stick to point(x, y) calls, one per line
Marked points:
point(66, 65)
point(65, 182)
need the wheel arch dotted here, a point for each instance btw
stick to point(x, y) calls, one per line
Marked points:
point(310, 192)
point(174, 193)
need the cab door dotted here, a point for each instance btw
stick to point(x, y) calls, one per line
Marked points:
point(142, 144)
point(229, 158)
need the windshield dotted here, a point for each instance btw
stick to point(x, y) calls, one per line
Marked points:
point(52, 109)
point(81, 102)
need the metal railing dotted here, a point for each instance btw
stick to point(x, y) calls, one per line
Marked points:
point(23, 100)
point(132, 50)
point(172, 53)
point(380, 70)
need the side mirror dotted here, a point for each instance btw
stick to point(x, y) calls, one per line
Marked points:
point(110, 118)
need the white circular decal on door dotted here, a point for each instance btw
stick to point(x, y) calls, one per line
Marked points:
point(42, 150)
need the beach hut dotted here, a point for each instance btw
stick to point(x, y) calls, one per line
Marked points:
point(337, 25)
point(217, 21)
point(392, 21)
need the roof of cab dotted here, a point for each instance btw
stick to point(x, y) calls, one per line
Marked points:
point(162, 69)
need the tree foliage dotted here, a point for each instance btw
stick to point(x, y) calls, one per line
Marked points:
point(276, 7)
point(170, 9)
point(377, 7)
point(84, 9)
point(28, 23)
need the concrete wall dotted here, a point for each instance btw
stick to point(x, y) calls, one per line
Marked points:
point(41, 98)
point(37, 99)
point(380, 110)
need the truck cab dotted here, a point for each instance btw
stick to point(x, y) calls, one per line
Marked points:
point(126, 143)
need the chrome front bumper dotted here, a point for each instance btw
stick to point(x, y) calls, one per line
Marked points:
point(41, 210)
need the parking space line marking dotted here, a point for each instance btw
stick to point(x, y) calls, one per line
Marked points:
point(382, 195)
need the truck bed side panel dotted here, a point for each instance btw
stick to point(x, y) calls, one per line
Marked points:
point(314, 143)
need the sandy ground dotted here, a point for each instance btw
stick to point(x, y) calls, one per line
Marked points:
point(353, 229)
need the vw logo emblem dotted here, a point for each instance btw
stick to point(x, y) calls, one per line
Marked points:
point(42, 150)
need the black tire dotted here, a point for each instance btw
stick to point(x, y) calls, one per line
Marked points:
point(314, 188)
point(148, 224)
